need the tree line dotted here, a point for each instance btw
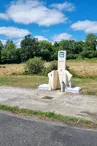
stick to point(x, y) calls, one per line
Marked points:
point(31, 47)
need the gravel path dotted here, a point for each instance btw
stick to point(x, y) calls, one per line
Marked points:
point(76, 105)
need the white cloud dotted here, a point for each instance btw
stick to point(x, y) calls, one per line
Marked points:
point(66, 6)
point(62, 36)
point(13, 32)
point(3, 16)
point(86, 26)
point(32, 11)
point(41, 38)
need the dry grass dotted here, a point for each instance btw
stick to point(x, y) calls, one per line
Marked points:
point(10, 69)
point(83, 68)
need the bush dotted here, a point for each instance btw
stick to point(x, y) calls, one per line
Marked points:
point(34, 66)
point(53, 66)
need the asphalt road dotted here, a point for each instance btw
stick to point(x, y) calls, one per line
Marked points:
point(20, 131)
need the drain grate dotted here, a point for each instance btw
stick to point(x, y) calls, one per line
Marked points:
point(47, 97)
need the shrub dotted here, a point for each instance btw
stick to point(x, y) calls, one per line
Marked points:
point(53, 65)
point(45, 71)
point(34, 66)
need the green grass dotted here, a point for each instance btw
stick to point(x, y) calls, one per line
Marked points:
point(23, 81)
point(88, 85)
point(50, 116)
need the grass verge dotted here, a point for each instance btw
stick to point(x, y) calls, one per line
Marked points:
point(72, 121)
point(88, 85)
point(25, 81)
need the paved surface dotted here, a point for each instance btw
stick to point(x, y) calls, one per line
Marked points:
point(17, 131)
point(67, 104)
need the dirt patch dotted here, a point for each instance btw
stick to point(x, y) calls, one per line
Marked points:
point(91, 115)
point(47, 97)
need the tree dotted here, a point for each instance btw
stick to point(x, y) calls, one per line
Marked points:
point(55, 49)
point(1, 47)
point(89, 50)
point(90, 38)
point(9, 53)
point(69, 46)
point(28, 36)
point(46, 50)
point(29, 48)
point(78, 47)
point(18, 55)
point(90, 42)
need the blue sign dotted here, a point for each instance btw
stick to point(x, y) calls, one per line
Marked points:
point(61, 55)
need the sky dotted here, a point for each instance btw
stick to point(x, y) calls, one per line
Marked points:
point(51, 20)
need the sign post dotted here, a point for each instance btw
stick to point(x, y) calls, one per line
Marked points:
point(61, 60)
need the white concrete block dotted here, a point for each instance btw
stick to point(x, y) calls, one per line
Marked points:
point(43, 87)
point(73, 89)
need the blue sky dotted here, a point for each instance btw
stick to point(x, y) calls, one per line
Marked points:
point(47, 20)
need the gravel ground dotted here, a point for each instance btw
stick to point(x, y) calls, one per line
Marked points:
point(76, 105)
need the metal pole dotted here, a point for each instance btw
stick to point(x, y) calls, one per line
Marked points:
point(62, 87)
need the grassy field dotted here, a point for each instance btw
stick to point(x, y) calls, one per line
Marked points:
point(89, 85)
point(9, 69)
point(86, 76)
point(82, 68)
point(23, 81)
